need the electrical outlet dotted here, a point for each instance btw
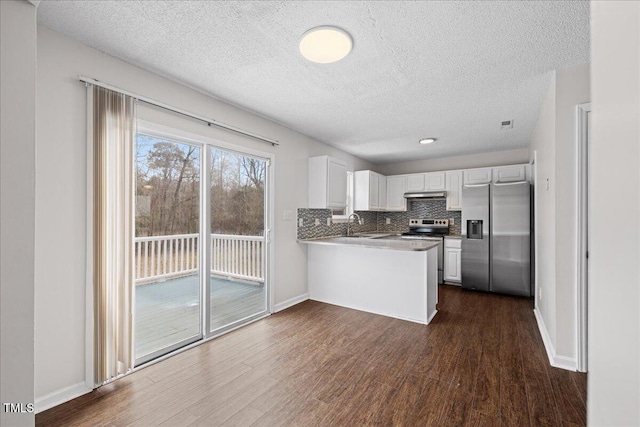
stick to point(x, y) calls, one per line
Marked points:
point(547, 184)
point(328, 221)
point(316, 222)
point(388, 221)
point(452, 221)
point(300, 222)
point(287, 214)
point(540, 294)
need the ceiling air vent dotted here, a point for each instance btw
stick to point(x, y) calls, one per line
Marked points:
point(507, 124)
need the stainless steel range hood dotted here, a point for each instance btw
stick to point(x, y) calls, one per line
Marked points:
point(426, 195)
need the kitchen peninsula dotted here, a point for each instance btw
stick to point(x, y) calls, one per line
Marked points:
point(380, 274)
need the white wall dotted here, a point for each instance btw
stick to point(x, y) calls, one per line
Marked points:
point(17, 153)
point(572, 88)
point(61, 195)
point(543, 141)
point(496, 158)
point(613, 396)
point(554, 142)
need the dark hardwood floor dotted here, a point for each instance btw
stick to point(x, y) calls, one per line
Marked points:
point(480, 362)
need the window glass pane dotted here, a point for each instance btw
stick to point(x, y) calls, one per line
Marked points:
point(237, 197)
point(167, 278)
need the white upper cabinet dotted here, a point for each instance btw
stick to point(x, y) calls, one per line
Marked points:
point(327, 183)
point(396, 187)
point(415, 182)
point(477, 176)
point(510, 173)
point(454, 190)
point(434, 181)
point(375, 192)
point(370, 191)
point(382, 192)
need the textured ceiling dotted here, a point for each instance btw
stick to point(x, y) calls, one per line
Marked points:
point(452, 70)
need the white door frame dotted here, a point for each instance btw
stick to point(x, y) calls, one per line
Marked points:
point(582, 254)
point(534, 176)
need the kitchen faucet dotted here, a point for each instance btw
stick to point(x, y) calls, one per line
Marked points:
point(349, 222)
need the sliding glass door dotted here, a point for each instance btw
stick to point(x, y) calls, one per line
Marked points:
point(200, 245)
point(237, 205)
point(167, 267)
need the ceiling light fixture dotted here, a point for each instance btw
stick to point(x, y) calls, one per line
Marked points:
point(326, 44)
point(428, 140)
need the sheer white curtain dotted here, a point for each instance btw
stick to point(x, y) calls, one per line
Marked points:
point(112, 129)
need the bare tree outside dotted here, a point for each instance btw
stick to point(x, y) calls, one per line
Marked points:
point(167, 248)
point(168, 190)
point(237, 194)
point(167, 187)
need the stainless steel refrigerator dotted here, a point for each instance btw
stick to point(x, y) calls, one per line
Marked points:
point(496, 238)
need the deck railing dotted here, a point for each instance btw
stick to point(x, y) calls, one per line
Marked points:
point(166, 257)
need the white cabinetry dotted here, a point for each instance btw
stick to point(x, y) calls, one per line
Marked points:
point(327, 183)
point(370, 191)
point(415, 182)
point(510, 173)
point(454, 190)
point(382, 192)
point(396, 187)
point(432, 181)
point(477, 176)
point(452, 260)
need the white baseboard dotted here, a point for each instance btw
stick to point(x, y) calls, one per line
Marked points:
point(290, 302)
point(58, 397)
point(546, 339)
point(562, 362)
point(567, 363)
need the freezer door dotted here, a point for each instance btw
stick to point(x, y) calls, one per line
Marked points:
point(510, 244)
point(475, 237)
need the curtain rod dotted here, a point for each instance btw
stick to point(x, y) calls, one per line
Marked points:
point(209, 122)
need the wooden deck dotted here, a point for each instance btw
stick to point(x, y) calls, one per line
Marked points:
point(169, 312)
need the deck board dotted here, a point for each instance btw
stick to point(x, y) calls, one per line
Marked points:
point(168, 312)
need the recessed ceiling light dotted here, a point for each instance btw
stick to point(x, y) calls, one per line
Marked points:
point(325, 44)
point(428, 140)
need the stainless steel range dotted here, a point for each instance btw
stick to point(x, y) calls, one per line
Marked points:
point(430, 229)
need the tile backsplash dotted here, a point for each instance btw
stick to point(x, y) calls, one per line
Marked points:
point(376, 221)
point(309, 230)
point(420, 209)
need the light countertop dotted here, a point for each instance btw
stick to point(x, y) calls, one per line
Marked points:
point(375, 241)
point(453, 237)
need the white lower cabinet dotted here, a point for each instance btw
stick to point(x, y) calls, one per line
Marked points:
point(452, 260)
